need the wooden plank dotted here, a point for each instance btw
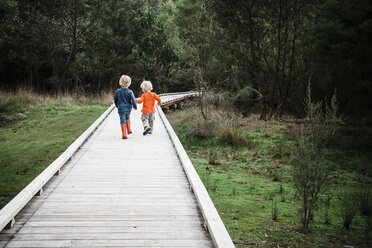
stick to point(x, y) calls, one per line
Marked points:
point(112, 236)
point(122, 211)
point(110, 243)
point(115, 208)
point(169, 182)
point(103, 223)
point(108, 229)
point(122, 217)
point(185, 194)
point(132, 191)
point(125, 176)
point(120, 202)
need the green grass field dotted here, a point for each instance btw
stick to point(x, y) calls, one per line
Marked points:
point(33, 133)
point(246, 183)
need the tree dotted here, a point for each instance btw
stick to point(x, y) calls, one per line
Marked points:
point(341, 55)
point(83, 45)
point(269, 33)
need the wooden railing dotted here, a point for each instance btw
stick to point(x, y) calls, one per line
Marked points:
point(176, 98)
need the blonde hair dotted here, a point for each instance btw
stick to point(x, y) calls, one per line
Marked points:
point(146, 86)
point(125, 81)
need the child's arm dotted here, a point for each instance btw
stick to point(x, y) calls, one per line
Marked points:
point(133, 100)
point(116, 99)
point(140, 100)
point(157, 99)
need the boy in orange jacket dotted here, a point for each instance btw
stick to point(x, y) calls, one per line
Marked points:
point(148, 110)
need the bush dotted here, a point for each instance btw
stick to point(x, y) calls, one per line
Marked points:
point(365, 204)
point(234, 137)
point(280, 150)
point(202, 128)
point(327, 204)
point(349, 207)
point(274, 211)
point(309, 170)
point(213, 158)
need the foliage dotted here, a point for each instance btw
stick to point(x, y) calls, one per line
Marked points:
point(365, 202)
point(89, 44)
point(310, 173)
point(274, 211)
point(349, 208)
point(235, 137)
point(267, 35)
point(341, 55)
point(259, 53)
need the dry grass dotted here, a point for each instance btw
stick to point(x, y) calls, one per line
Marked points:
point(27, 95)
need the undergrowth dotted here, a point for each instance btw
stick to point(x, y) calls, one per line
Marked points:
point(246, 170)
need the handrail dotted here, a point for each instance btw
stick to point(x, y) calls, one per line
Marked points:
point(214, 224)
point(182, 95)
point(178, 93)
point(10, 210)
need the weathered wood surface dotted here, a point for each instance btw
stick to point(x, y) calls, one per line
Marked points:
point(118, 193)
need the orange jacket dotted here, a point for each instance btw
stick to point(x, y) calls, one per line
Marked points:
point(148, 100)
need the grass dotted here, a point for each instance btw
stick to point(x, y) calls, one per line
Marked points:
point(34, 131)
point(246, 177)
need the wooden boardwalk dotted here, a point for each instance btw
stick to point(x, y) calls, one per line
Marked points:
point(118, 193)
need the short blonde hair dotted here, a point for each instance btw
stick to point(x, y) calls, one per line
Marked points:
point(125, 81)
point(146, 85)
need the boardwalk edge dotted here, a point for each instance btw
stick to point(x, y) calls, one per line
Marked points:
point(215, 226)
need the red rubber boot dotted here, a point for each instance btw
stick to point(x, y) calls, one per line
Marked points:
point(124, 131)
point(128, 127)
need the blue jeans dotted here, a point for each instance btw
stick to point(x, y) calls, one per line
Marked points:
point(124, 117)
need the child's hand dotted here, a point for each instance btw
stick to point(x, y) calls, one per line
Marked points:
point(112, 102)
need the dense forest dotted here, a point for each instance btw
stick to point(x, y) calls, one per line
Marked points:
point(260, 54)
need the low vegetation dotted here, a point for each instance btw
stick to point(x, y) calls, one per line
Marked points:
point(35, 130)
point(247, 170)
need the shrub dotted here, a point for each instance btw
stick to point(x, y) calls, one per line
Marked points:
point(274, 211)
point(309, 170)
point(234, 137)
point(327, 204)
point(213, 158)
point(348, 207)
point(278, 175)
point(365, 204)
point(280, 150)
point(202, 128)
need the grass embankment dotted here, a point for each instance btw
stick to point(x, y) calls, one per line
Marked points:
point(34, 131)
point(248, 177)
